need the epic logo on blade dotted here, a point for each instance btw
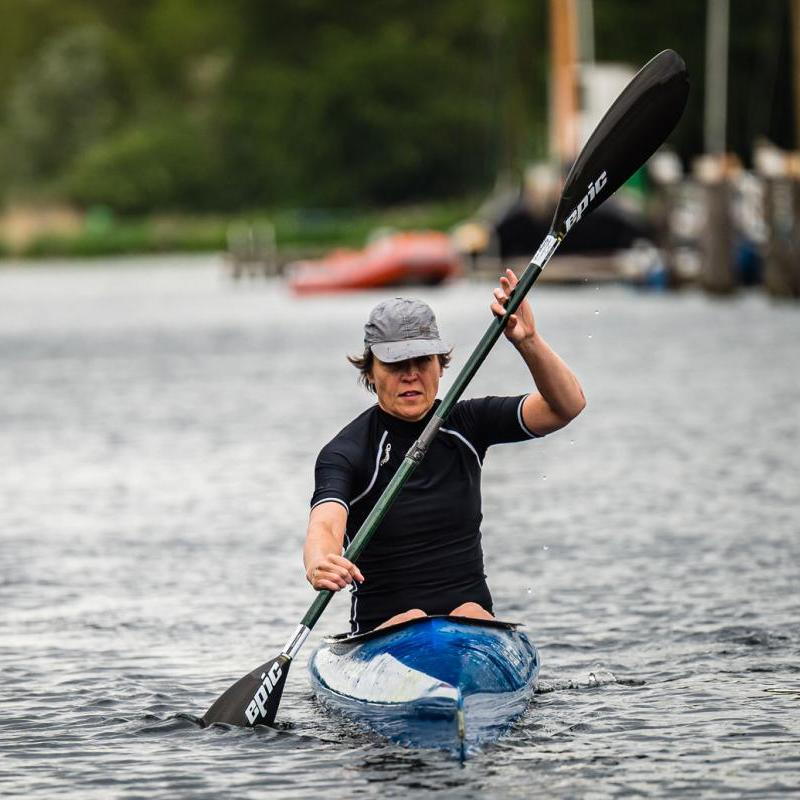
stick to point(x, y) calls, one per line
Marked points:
point(594, 190)
point(258, 705)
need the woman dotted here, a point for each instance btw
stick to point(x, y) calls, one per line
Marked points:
point(426, 556)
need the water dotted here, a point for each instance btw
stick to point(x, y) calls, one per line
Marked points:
point(158, 427)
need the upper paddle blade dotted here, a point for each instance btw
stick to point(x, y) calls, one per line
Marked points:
point(253, 699)
point(637, 123)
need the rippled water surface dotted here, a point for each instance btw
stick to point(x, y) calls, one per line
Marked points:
point(158, 427)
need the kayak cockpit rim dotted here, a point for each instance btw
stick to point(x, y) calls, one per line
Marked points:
point(358, 638)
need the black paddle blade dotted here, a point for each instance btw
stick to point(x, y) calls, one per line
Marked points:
point(637, 123)
point(253, 699)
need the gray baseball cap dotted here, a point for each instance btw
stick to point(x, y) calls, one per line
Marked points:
point(399, 328)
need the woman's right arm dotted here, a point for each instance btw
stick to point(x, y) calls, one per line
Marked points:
point(326, 567)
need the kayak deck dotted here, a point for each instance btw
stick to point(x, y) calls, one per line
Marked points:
point(442, 682)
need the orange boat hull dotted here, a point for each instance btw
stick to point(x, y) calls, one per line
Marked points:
point(400, 259)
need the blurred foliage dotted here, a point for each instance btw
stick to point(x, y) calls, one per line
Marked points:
point(155, 165)
point(195, 105)
point(61, 104)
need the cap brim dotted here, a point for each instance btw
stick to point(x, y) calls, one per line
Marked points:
point(390, 352)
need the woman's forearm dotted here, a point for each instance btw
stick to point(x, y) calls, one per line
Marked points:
point(554, 380)
point(326, 567)
point(321, 541)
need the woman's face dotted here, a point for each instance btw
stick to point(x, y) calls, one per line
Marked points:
point(407, 389)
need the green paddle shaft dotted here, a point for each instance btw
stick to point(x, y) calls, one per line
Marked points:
point(418, 450)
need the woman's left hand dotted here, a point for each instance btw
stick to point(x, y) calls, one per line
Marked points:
point(521, 324)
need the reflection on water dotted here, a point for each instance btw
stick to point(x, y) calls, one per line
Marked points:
point(158, 428)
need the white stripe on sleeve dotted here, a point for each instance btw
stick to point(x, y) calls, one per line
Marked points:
point(332, 500)
point(525, 428)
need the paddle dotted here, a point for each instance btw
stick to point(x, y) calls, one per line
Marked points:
point(635, 125)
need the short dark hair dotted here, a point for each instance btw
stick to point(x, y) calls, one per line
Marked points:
point(364, 363)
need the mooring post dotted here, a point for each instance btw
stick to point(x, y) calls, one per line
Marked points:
point(716, 243)
point(781, 175)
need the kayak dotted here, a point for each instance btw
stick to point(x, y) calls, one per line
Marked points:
point(451, 683)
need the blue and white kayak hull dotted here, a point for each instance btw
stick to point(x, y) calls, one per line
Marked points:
point(442, 682)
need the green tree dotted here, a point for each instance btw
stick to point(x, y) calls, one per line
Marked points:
point(69, 98)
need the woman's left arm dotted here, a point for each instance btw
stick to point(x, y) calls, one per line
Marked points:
point(560, 398)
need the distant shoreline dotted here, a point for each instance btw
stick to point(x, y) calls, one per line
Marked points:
point(62, 232)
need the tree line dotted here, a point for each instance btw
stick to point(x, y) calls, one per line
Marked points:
point(143, 105)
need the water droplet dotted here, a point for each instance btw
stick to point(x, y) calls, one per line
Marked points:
point(530, 590)
point(544, 477)
point(545, 547)
point(590, 335)
point(596, 311)
point(572, 441)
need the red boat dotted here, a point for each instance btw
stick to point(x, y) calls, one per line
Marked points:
point(424, 258)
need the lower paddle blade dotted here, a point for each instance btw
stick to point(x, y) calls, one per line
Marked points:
point(253, 699)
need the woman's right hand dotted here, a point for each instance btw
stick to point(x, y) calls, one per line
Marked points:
point(333, 572)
